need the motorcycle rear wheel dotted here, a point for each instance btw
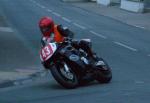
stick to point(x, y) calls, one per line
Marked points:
point(67, 82)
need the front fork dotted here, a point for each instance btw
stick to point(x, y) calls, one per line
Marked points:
point(66, 67)
point(66, 71)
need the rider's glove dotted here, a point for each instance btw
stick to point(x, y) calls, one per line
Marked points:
point(64, 31)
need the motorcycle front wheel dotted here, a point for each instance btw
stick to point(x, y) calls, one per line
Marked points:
point(65, 76)
point(103, 73)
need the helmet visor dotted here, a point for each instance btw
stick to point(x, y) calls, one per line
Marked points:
point(46, 29)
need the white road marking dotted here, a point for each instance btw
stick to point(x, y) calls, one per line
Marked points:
point(139, 26)
point(38, 4)
point(80, 26)
point(139, 82)
point(43, 7)
point(6, 29)
point(128, 47)
point(66, 19)
point(56, 14)
point(17, 83)
point(97, 34)
point(26, 81)
point(34, 1)
point(49, 10)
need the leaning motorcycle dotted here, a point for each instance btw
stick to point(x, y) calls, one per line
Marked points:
point(72, 67)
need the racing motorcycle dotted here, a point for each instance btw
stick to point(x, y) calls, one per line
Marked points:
point(72, 67)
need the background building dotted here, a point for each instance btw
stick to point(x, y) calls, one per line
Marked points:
point(130, 5)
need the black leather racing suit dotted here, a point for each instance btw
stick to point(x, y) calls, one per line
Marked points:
point(83, 44)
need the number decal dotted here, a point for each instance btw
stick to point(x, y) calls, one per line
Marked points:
point(43, 53)
point(46, 52)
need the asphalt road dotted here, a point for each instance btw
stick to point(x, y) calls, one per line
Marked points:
point(15, 52)
point(124, 47)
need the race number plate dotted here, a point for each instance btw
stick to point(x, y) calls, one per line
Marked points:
point(46, 53)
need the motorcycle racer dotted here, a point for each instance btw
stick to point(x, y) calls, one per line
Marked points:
point(52, 32)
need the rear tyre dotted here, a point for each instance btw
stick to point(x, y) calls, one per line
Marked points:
point(103, 73)
point(67, 79)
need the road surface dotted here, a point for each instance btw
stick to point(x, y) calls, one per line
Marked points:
point(124, 47)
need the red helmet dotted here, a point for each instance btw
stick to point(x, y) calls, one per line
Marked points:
point(46, 25)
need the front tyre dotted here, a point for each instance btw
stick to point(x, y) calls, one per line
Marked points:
point(65, 76)
point(103, 72)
